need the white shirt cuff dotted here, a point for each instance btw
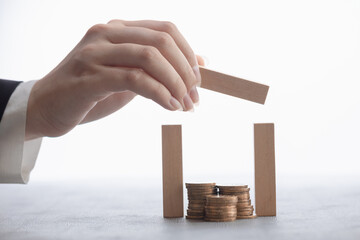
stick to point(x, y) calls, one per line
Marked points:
point(17, 156)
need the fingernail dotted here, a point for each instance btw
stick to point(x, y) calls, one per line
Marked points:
point(188, 103)
point(175, 104)
point(206, 60)
point(194, 95)
point(197, 74)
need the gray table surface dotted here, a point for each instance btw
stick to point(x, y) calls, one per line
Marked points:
point(119, 210)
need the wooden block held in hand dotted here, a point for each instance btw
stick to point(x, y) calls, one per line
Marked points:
point(265, 181)
point(173, 203)
point(233, 86)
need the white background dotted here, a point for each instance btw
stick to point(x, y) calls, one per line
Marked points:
point(306, 51)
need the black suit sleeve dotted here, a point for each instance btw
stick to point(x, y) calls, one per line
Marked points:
point(6, 89)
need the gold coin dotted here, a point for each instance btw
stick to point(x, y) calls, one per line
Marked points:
point(221, 199)
point(245, 209)
point(246, 205)
point(203, 195)
point(219, 214)
point(198, 197)
point(232, 188)
point(195, 211)
point(196, 214)
point(233, 192)
point(221, 208)
point(244, 202)
point(246, 217)
point(194, 217)
point(194, 201)
point(205, 203)
point(242, 194)
point(203, 198)
point(217, 205)
point(200, 191)
point(243, 213)
point(243, 197)
point(199, 185)
point(200, 194)
point(196, 205)
point(202, 188)
point(220, 211)
point(220, 219)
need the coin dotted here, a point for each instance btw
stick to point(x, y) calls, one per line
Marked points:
point(248, 201)
point(231, 186)
point(220, 219)
point(221, 199)
point(250, 208)
point(199, 202)
point(220, 208)
point(247, 213)
point(199, 185)
point(219, 216)
point(220, 212)
point(246, 217)
point(201, 193)
point(244, 205)
point(198, 197)
point(192, 206)
point(243, 197)
point(195, 213)
point(194, 217)
point(232, 203)
point(197, 193)
point(233, 190)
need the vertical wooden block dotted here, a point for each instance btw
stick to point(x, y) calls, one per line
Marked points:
point(173, 203)
point(265, 182)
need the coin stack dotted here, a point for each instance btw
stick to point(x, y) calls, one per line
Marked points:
point(221, 208)
point(244, 208)
point(197, 193)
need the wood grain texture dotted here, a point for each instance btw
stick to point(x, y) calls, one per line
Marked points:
point(265, 181)
point(233, 86)
point(173, 203)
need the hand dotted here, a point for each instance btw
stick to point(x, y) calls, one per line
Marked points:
point(109, 66)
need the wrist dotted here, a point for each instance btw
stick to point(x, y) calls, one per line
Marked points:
point(32, 119)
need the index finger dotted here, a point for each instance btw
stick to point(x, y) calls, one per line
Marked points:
point(179, 39)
